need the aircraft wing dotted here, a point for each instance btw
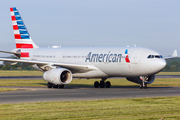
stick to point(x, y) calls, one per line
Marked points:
point(75, 68)
point(174, 55)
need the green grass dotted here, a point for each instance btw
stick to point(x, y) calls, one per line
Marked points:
point(7, 89)
point(159, 82)
point(138, 108)
point(168, 73)
point(22, 82)
point(20, 73)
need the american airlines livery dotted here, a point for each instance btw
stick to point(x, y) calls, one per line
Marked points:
point(61, 64)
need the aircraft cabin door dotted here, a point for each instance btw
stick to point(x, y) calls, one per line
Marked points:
point(136, 57)
point(58, 56)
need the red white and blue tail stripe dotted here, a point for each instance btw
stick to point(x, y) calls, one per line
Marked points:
point(21, 35)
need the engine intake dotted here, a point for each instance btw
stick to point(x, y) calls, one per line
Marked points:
point(58, 76)
point(150, 79)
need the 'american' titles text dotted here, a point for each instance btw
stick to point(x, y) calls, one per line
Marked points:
point(103, 57)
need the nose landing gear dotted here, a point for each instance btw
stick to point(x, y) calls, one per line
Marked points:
point(102, 84)
point(144, 82)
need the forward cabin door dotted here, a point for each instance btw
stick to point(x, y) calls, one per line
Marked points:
point(136, 57)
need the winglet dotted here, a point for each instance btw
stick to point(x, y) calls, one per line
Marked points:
point(174, 55)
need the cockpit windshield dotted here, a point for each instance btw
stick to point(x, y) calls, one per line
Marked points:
point(155, 56)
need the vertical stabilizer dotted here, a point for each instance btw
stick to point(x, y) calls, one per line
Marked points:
point(21, 35)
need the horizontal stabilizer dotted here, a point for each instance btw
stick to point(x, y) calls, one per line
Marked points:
point(17, 53)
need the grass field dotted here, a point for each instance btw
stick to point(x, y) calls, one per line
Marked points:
point(7, 89)
point(168, 73)
point(20, 73)
point(138, 108)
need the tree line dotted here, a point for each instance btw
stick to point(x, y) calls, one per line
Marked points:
point(172, 65)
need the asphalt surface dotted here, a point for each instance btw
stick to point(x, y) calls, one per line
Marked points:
point(42, 94)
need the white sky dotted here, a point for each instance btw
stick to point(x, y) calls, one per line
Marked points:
point(154, 24)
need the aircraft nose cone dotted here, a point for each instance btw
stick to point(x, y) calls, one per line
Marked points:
point(161, 64)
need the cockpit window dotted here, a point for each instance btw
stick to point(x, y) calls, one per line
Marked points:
point(149, 56)
point(155, 56)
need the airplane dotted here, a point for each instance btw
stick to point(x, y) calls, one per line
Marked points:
point(61, 64)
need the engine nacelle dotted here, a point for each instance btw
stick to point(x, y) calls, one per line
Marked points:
point(150, 79)
point(58, 76)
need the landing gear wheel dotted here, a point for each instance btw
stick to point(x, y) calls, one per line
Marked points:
point(145, 86)
point(141, 86)
point(108, 84)
point(102, 84)
point(49, 85)
point(61, 86)
point(144, 80)
point(55, 86)
point(96, 84)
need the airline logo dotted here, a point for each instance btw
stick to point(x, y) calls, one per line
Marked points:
point(110, 57)
point(127, 56)
point(21, 34)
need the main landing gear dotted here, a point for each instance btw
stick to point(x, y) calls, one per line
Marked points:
point(102, 84)
point(143, 84)
point(50, 85)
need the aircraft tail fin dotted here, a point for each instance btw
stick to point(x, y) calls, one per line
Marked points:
point(21, 35)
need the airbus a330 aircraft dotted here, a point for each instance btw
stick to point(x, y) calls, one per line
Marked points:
point(61, 64)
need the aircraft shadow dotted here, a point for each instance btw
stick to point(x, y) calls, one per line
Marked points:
point(83, 86)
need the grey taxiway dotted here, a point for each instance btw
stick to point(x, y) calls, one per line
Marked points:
point(40, 94)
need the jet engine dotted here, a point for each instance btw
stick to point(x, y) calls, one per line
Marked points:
point(58, 76)
point(149, 79)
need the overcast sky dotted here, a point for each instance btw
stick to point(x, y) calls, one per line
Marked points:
point(154, 24)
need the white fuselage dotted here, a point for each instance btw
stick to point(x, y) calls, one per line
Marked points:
point(109, 61)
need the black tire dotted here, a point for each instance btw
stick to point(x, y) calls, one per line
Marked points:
point(102, 84)
point(141, 86)
point(55, 86)
point(145, 86)
point(108, 84)
point(96, 84)
point(61, 86)
point(49, 85)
